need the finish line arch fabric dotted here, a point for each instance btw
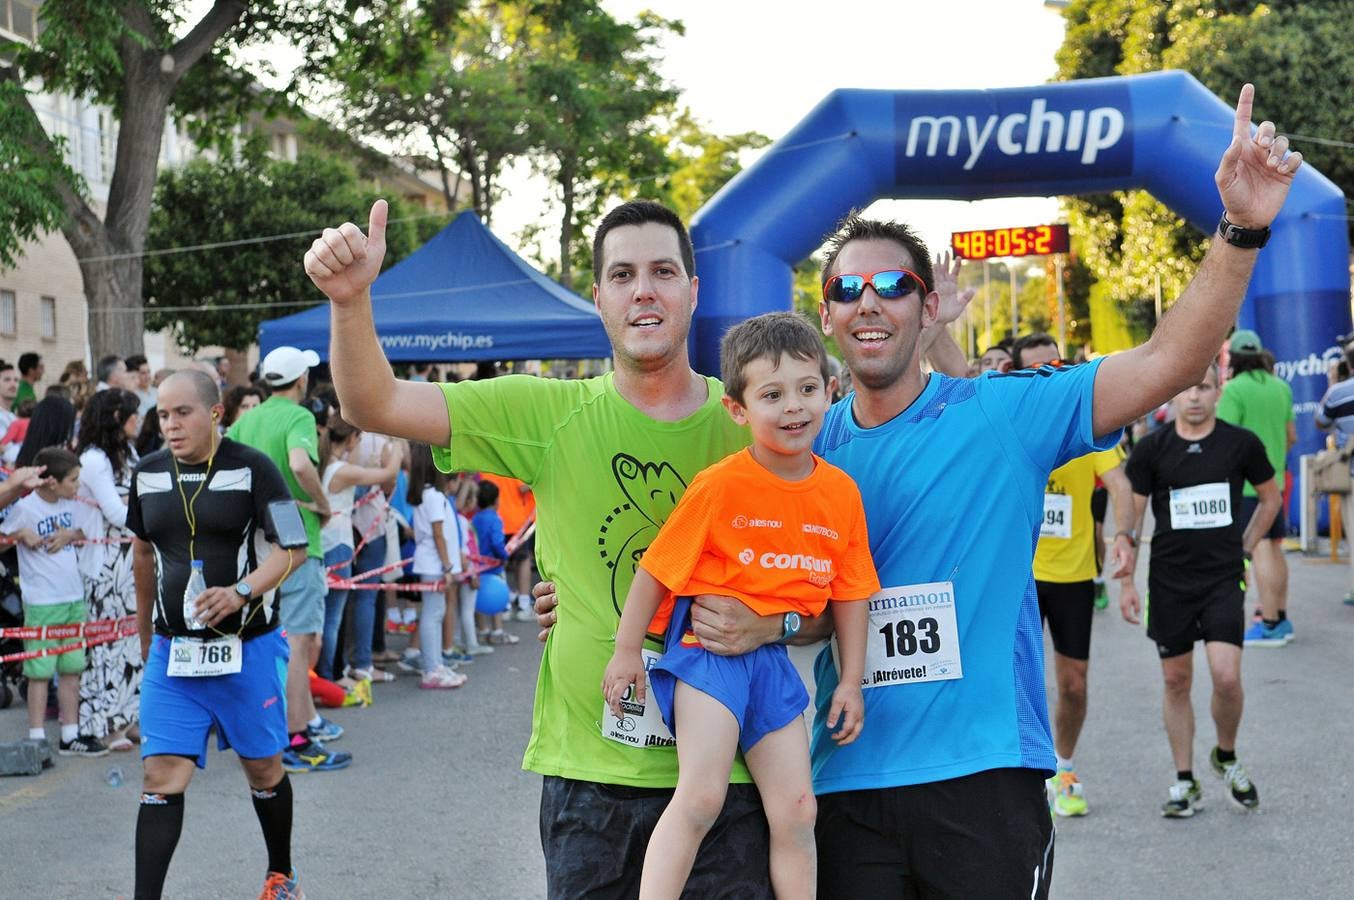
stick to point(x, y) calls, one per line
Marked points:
point(1163, 132)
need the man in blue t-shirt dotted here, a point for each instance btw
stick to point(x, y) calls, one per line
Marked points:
point(943, 793)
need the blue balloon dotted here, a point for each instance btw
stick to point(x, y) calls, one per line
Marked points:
point(492, 598)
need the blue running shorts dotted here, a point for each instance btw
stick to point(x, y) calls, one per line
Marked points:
point(248, 708)
point(761, 688)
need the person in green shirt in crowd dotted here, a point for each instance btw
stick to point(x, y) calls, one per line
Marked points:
point(31, 371)
point(285, 432)
point(1255, 399)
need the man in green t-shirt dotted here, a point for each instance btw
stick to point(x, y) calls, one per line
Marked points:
point(608, 459)
point(31, 371)
point(1255, 399)
point(285, 433)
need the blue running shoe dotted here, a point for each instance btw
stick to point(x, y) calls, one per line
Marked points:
point(1261, 635)
point(313, 757)
point(325, 731)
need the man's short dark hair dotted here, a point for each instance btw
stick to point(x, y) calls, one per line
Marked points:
point(1028, 342)
point(204, 385)
point(858, 228)
point(136, 361)
point(641, 212)
point(487, 494)
point(28, 362)
point(106, 366)
point(5, 367)
point(767, 336)
point(58, 460)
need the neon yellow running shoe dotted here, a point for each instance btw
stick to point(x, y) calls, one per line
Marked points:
point(1065, 789)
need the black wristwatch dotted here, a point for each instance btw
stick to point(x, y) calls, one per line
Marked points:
point(1245, 238)
point(790, 626)
point(243, 589)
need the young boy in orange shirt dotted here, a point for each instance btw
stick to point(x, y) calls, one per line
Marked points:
point(782, 531)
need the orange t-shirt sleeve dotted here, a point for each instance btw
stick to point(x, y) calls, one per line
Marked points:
point(856, 577)
point(674, 553)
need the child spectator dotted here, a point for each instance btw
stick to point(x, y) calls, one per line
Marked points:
point(437, 557)
point(489, 536)
point(46, 525)
point(14, 435)
point(784, 532)
point(458, 634)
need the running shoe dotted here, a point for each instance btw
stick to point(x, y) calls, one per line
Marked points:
point(394, 626)
point(503, 637)
point(411, 662)
point(313, 757)
point(441, 678)
point(524, 614)
point(455, 656)
point(1239, 783)
point(282, 887)
point(1102, 595)
point(480, 650)
point(1349, 598)
point(325, 731)
point(1185, 799)
point(1065, 789)
point(1261, 635)
point(82, 745)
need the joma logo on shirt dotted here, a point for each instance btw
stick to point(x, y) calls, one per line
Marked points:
point(193, 476)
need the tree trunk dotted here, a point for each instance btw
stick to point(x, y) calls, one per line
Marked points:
point(566, 229)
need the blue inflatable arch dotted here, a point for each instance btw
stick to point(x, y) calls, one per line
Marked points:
point(1162, 132)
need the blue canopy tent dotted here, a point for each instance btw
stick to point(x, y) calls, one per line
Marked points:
point(462, 297)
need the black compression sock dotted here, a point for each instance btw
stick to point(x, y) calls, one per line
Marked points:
point(1225, 756)
point(1186, 775)
point(1271, 623)
point(274, 809)
point(1283, 614)
point(158, 825)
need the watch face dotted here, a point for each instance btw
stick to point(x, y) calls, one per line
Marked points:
point(243, 589)
point(792, 621)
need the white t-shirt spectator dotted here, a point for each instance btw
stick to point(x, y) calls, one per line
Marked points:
point(435, 512)
point(338, 531)
point(47, 578)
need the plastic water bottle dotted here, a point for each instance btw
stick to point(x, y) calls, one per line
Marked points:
point(115, 777)
point(196, 585)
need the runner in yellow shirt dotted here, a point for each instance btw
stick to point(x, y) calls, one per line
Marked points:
point(1064, 576)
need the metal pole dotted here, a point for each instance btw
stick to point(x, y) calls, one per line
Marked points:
point(987, 299)
point(1158, 300)
point(1015, 299)
point(1062, 313)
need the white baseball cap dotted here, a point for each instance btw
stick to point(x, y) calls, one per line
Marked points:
point(286, 364)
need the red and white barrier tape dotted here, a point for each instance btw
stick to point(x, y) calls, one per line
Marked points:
point(95, 633)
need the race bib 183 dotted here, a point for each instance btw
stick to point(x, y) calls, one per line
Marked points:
point(913, 636)
point(641, 724)
point(1202, 506)
point(193, 658)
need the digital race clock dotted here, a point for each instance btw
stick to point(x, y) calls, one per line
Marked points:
point(1027, 240)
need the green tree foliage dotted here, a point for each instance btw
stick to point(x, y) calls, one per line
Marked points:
point(702, 163)
point(207, 202)
point(143, 58)
point(1298, 55)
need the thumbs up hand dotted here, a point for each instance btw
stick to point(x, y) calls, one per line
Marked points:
point(343, 262)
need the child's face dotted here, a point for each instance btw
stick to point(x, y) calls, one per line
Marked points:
point(69, 486)
point(783, 403)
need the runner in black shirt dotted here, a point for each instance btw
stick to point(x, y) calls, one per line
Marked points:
point(1193, 473)
point(206, 499)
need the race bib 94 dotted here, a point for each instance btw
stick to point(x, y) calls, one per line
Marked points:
point(913, 636)
point(193, 658)
point(1057, 521)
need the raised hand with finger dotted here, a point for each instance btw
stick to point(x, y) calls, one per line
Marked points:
point(1256, 172)
point(343, 262)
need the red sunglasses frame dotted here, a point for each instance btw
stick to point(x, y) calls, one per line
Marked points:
point(869, 280)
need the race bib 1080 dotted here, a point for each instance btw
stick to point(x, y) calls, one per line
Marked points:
point(913, 636)
point(1202, 506)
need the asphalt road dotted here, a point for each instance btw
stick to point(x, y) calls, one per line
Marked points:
point(436, 806)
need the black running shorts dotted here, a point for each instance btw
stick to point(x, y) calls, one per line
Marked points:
point(1278, 530)
point(1068, 609)
point(594, 837)
point(985, 835)
point(1176, 618)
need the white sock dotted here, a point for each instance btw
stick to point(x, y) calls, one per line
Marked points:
point(69, 732)
point(410, 615)
point(393, 614)
point(37, 734)
point(315, 722)
point(1065, 765)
